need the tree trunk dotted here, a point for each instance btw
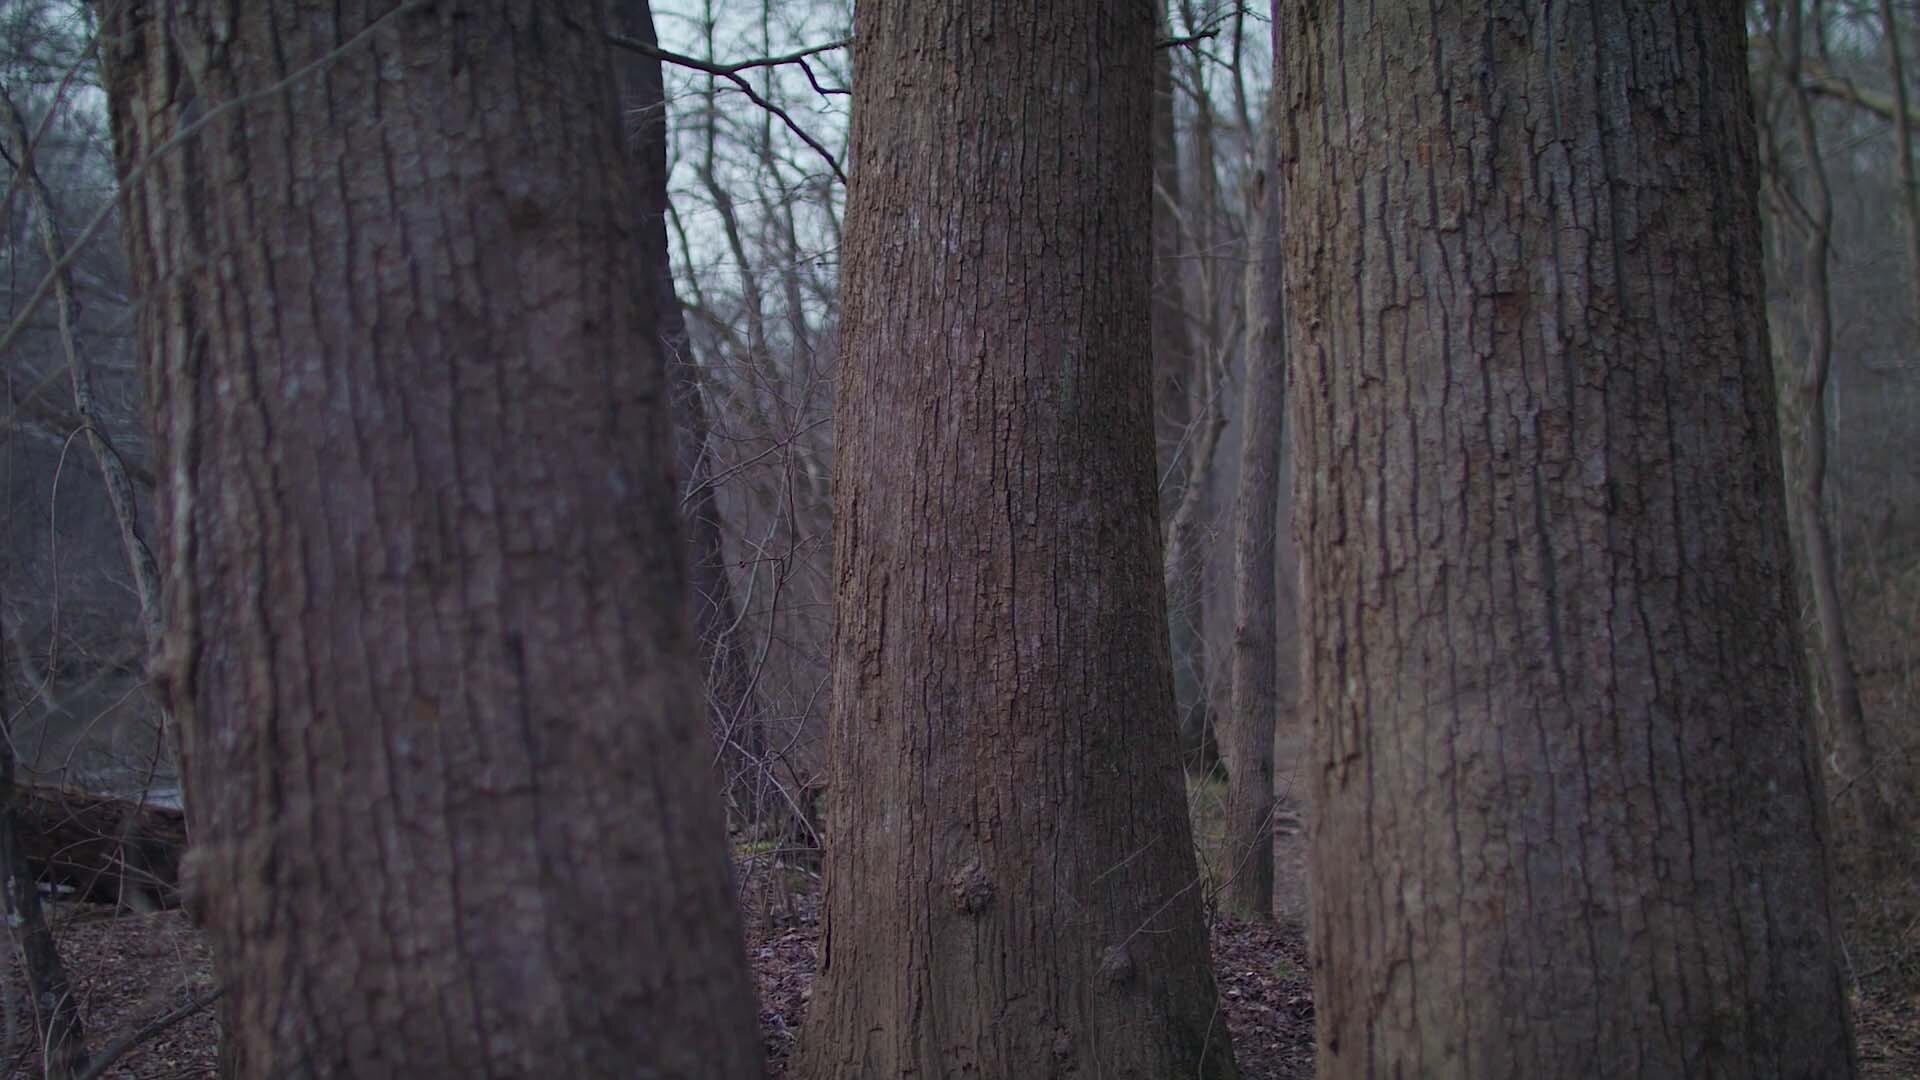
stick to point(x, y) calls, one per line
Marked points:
point(1186, 572)
point(1182, 443)
point(56, 1012)
point(1256, 641)
point(1011, 884)
point(1903, 152)
point(1851, 747)
point(732, 711)
point(427, 632)
point(1173, 364)
point(1566, 820)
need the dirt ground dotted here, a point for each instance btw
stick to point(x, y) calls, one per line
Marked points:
point(132, 969)
point(1266, 991)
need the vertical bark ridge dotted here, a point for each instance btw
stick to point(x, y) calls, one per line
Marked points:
point(1011, 879)
point(427, 629)
point(1564, 816)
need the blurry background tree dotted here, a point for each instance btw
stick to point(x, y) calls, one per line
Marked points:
point(1843, 237)
point(754, 218)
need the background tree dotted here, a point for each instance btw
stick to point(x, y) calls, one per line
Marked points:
point(427, 632)
point(1805, 223)
point(1176, 371)
point(754, 221)
point(54, 1007)
point(1851, 749)
point(72, 611)
point(1258, 689)
point(732, 700)
point(1010, 877)
point(1566, 821)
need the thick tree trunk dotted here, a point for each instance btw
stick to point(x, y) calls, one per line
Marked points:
point(738, 731)
point(1566, 820)
point(1256, 639)
point(1011, 884)
point(427, 631)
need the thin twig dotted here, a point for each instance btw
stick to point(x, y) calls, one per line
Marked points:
point(147, 1031)
point(46, 122)
point(1189, 41)
point(119, 486)
point(731, 73)
point(800, 56)
point(135, 174)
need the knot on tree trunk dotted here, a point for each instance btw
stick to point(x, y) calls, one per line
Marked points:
point(1062, 1045)
point(972, 892)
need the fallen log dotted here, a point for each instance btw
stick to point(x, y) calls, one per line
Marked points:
point(102, 849)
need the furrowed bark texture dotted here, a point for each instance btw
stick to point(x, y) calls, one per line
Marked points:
point(1565, 817)
point(1010, 878)
point(427, 632)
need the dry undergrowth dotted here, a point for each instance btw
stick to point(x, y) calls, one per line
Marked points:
point(1877, 892)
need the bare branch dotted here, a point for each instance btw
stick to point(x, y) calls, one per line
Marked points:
point(1827, 84)
point(119, 486)
point(727, 71)
point(186, 132)
point(46, 122)
point(147, 1031)
point(731, 73)
point(1189, 41)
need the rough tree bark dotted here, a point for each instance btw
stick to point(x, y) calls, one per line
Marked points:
point(1011, 886)
point(427, 633)
point(1256, 638)
point(1566, 820)
point(732, 709)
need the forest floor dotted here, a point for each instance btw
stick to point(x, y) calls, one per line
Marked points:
point(1266, 991)
point(1877, 890)
point(132, 969)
